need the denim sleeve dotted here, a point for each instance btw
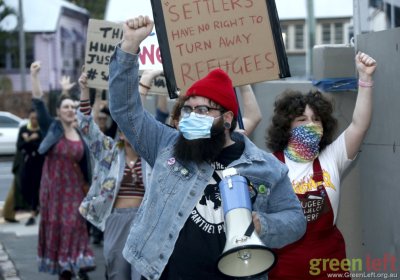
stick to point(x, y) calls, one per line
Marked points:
point(98, 143)
point(161, 116)
point(44, 118)
point(145, 134)
point(284, 223)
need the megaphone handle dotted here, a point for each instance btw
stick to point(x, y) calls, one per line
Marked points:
point(250, 229)
point(253, 199)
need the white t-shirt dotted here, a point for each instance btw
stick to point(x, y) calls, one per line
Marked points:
point(333, 161)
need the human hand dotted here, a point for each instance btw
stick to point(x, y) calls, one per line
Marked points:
point(83, 81)
point(35, 68)
point(256, 222)
point(34, 136)
point(148, 75)
point(147, 79)
point(366, 66)
point(135, 31)
point(65, 83)
point(25, 135)
point(83, 86)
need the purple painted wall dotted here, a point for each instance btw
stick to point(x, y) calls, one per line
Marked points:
point(60, 52)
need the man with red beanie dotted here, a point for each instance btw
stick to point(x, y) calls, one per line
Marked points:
point(179, 229)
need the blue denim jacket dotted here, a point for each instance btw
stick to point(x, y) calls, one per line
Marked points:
point(108, 168)
point(53, 131)
point(108, 161)
point(175, 188)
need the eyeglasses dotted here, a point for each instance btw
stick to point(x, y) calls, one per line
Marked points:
point(200, 111)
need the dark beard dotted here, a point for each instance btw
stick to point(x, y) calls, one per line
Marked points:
point(200, 150)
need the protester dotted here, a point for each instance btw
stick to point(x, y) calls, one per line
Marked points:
point(302, 136)
point(178, 231)
point(251, 113)
point(106, 124)
point(29, 139)
point(14, 200)
point(116, 191)
point(63, 247)
point(66, 87)
point(8, 207)
point(146, 81)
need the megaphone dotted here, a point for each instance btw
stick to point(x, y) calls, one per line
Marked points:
point(244, 255)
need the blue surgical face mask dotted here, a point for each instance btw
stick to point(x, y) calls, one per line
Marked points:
point(194, 127)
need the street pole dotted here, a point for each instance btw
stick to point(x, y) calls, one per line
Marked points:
point(392, 15)
point(310, 22)
point(356, 22)
point(22, 56)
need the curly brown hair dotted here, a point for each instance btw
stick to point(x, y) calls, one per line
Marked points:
point(292, 104)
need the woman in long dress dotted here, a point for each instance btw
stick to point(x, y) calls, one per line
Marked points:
point(63, 247)
point(29, 139)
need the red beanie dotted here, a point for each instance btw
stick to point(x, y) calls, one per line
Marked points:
point(216, 86)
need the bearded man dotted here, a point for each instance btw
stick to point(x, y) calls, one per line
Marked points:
point(179, 232)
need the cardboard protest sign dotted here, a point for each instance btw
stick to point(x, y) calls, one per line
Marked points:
point(158, 86)
point(102, 37)
point(242, 37)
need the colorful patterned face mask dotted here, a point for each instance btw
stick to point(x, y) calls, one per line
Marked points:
point(303, 144)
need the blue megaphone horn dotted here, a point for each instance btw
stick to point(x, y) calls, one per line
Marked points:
point(244, 255)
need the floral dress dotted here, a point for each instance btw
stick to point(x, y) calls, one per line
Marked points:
point(63, 235)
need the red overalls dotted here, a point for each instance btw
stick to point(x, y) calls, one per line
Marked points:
point(322, 240)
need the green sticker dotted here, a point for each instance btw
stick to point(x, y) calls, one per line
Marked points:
point(261, 189)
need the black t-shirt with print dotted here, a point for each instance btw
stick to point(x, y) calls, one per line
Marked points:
point(202, 238)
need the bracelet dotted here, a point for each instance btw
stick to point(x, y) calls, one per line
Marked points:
point(84, 106)
point(365, 84)
point(142, 85)
point(85, 111)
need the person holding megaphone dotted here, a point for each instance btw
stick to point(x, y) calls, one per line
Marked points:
point(179, 230)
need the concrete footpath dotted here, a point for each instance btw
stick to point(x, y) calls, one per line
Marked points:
point(18, 247)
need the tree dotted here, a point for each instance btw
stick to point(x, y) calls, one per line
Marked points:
point(5, 11)
point(96, 8)
point(5, 35)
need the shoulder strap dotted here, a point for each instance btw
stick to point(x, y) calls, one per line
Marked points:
point(317, 170)
point(216, 177)
point(279, 155)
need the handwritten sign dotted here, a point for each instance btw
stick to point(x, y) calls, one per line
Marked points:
point(242, 37)
point(102, 37)
point(158, 86)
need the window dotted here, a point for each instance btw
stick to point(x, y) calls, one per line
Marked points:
point(8, 122)
point(9, 55)
point(376, 3)
point(299, 36)
point(284, 30)
point(332, 33)
point(326, 33)
point(338, 33)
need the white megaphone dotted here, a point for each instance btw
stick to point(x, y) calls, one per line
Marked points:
point(244, 255)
